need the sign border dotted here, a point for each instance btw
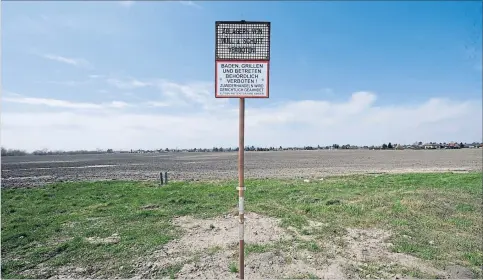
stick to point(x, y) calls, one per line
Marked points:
point(267, 62)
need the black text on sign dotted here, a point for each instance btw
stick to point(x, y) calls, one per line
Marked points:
point(241, 79)
point(242, 41)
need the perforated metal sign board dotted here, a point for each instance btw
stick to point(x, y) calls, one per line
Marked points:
point(242, 58)
point(242, 40)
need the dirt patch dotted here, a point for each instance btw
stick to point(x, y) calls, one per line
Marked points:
point(115, 238)
point(201, 240)
point(149, 207)
point(371, 246)
point(202, 234)
point(208, 249)
point(459, 272)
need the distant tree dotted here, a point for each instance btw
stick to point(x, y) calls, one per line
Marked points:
point(110, 151)
point(166, 150)
point(389, 146)
point(384, 146)
point(13, 152)
point(420, 143)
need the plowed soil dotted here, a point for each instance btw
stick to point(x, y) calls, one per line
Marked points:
point(26, 171)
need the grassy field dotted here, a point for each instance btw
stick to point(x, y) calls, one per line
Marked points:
point(435, 217)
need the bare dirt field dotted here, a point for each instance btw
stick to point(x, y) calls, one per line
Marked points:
point(38, 170)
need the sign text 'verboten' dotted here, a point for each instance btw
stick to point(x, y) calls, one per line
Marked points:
point(241, 79)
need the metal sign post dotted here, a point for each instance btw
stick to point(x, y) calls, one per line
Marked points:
point(242, 51)
point(241, 185)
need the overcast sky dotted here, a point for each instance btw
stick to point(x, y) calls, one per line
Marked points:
point(130, 75)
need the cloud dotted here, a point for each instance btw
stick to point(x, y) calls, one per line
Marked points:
point(128, 84)
point(157, 104)
point(357, 120)
point(126, 3)
point(199, 94)
point(79, 62)
point(190, 4)
point(62, 103)
point(66, 83)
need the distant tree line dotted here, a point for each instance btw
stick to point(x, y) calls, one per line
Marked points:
point(16, 152)
point(13, 152)
point(388, 146)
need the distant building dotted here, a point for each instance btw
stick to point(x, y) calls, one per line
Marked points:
point(452, 145)
point(431, 146)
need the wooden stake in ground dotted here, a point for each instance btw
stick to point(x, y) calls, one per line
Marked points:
point(241, 184)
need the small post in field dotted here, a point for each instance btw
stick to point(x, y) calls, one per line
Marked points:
point(166, 177)
point(161, 178)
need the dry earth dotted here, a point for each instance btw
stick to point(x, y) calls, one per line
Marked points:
point(38, 170)
point(208, 248)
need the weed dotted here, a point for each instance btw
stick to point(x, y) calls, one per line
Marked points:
point(233, 268)
point(214, 250)
point(313, 247)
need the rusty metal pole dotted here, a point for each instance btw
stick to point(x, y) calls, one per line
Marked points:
point(241, 185)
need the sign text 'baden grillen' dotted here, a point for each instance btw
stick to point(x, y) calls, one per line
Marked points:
point(240, 79)
point(242, 40)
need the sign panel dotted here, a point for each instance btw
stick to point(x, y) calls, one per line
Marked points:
point(242, 40)
point(238, 79)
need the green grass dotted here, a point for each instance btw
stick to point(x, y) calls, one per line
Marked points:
point(305, 276)
point(49, 225)
point(233, 268)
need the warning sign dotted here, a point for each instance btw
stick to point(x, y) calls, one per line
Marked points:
point(242, 40)
point(241, 79)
